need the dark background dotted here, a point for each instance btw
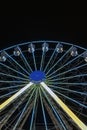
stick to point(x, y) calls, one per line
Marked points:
point(17, 29)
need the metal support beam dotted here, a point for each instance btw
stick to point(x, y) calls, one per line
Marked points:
point(12, 98)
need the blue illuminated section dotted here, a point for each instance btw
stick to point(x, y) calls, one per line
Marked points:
point(37, 76)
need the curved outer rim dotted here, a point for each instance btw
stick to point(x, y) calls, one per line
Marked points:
point(48, 41)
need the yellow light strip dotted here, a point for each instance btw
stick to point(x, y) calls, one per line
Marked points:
point(79, 123)
point(8, 101)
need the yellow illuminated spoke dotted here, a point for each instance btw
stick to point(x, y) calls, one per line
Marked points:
point(12, 98)
point(79, 123)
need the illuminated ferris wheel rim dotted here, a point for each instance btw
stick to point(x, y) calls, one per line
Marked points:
point(45, 45)
point(43, 41)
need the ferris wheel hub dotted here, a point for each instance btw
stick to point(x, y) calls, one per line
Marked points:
point(37, 76)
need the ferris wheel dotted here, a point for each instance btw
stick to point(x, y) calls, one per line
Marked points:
point(43, 85)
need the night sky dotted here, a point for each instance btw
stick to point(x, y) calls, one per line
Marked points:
point(17, 29)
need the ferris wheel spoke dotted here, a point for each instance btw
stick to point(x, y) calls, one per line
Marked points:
point(12, 87)
point(9, 125)
point(25, 62)
point(9, 81)
point(58, 123)
point(79, 123)
point(9, 75)
point(55, 112)
point(70, 77)
point(42, 60)
point(8, 94)
point(69, 90)
point(24, 110)
point(8, 115)
point(78, 112)
point(59, 60)
point(50, 60)
point(34, 108)
point(34, 60)
point(72, 69)
point(44, 115)
point(15, 96)
point(71, 99)
point(13, 70)
point(26, 115)
point(11, 58)
point(65, 83)
point(66, 64)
